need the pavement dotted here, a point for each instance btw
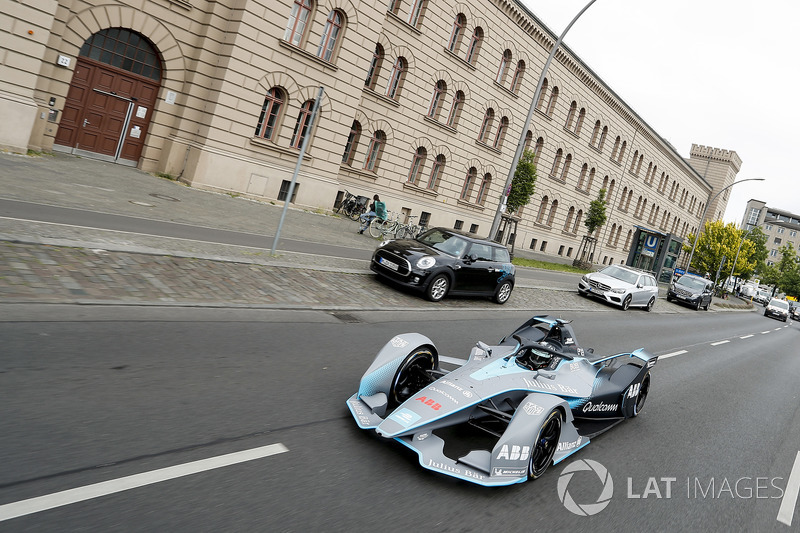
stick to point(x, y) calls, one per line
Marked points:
point(55, 263)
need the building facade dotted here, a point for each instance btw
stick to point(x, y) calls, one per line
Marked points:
point(780, 227)
point(424, 103)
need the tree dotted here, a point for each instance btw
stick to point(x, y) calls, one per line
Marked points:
point(523, 184)
point(718, 241)
point(787, 269)
point(596, 216)
point(760, 253)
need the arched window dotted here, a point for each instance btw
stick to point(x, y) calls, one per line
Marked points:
point(394, 6)
point(540, 103)
point(570, 214)
point(528, 140)
point(501, 133)
point(474, 46)
point(628, 201)
point(537, 150)
point(551, 105)
point(603, 136)
point(458, 32)
point(330, 35)
point(352, 143)
point(486, 125)
point(573, 110)
point(553, 209)
point(627, 245)
point(595, 134)
point(417, 12)
point(519, 73)
point(439, 90)
point(436, 172)
point(611, 235)
point(557, 163)
point(567, 164)
point(577, 221)
point(614, 152)
point(542, 209)
point(269, 119)
point(374, 67)
point(375, 151)
point(396, 79)
point(591, 180)
point(582, 176)
point(298, 20)
point(622, 198)
point(505, 61)
point(581, 118)
point(416, 165)
point(483, 192)
point(455, 109)
point(469, 183)
point(124, 49)
point(303, 124)
point(611, 190)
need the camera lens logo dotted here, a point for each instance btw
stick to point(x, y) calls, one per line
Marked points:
point(585, 509)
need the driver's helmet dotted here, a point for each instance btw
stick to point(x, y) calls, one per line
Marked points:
point(539, 358)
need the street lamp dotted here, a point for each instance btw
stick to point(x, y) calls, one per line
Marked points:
point(739, 249)
point(703, 216)
point(518, 154)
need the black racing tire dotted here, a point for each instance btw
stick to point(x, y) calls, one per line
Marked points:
point(412, 376)
point(438, 288)
point(644, 389)
point(650, 304)
point(503, 292)
point(626, 302)
point(545, 445)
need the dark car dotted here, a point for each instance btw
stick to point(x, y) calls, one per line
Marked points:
point(443, 261)
point(794, 312)
point(778, 309)
point(691, 290)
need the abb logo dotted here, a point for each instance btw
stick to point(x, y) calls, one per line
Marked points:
point(429, 402)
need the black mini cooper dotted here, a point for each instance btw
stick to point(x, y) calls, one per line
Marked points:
point(443, 261)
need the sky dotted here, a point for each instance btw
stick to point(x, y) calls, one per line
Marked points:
point(720, 73)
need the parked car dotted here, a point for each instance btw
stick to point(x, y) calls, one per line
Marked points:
point(692, 290)
point(621, 285)
point(761, 297)
point(778, 309)
point(443, 261)
point(794, 312)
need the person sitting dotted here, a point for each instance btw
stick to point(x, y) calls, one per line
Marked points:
point(376, 209)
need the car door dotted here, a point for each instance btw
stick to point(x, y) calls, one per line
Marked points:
point(640, 293)
point(477, 272)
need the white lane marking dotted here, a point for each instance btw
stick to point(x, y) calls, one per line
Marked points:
point(673, 354)
point(786, 512)
point(764, 332)
point(67, 497)
point(719, 342)
point(746, 337)
point(778, 329)
point(452, 360)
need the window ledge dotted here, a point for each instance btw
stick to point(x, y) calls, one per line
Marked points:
point(416, 188)
point(451, 129)
point(543, 226)
point(470, 205)
point(505, 89)
point(358, 172)
point(461, 60)
point(490, 148)
point(308, 55)
point(403, 23)
point(382, 98)
point(263, 143)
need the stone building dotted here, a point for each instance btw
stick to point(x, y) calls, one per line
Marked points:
point(780, 227)
point(424, 103)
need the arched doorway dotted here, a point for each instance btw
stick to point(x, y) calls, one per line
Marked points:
point(111, 97)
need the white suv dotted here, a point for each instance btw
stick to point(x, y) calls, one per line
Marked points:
point(621, 285)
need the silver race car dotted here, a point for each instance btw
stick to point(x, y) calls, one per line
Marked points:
point(508, 412)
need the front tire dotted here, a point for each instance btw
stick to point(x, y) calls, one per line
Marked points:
point(412, 375)
point(544, 447)
point(503, 292)
point(642, 396)
point(650, 304)
point(626, 302)
point(438, 288)
point(376, 227)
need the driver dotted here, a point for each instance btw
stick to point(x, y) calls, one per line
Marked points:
point(535, 359)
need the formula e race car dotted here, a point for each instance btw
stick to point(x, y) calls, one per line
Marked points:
point(508, 412)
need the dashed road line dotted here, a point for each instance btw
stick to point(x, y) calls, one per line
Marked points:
point(720, 342)
point(764, 332)
point(746, 337)
point(673, 354)
point(786, 511)
point(88, 492)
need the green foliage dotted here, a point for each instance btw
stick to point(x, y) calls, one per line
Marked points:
point(720, 240)
point(523, 184)
point(596, 216)
point(533, 263)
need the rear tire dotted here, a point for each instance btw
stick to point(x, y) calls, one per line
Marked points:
point(642, 396)
point(650, 304)
point(503, 292)
point(544, 447)
point(438, 288)
point(412, 376)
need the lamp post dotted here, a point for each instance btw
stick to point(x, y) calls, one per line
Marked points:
point(520, 145)
point(733, 268)
point(703, 216)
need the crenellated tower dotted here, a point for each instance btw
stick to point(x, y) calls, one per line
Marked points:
point(719, 168)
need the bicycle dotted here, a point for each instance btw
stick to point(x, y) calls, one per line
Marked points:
point(381, 229)
point(410, 230)
point(352, 206)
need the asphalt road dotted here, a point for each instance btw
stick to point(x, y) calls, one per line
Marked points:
point(96, 394)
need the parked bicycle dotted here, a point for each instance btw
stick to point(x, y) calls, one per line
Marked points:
point(352, 206)
point(384, 229)
point(409, 230)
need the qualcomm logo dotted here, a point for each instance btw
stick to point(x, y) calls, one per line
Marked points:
point(585, 509)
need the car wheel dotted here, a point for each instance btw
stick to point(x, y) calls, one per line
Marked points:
point(697, 306)
point(626, 303)
point(708, 305)
point(437, 288)
point(503, 292)
point(544, 447)
point(650, 304)
point(412, 375)
point(642, 396)
point(669, 298)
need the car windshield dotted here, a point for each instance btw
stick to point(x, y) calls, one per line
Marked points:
point(779, 303)
point(446, 243)
point(621, 274)
point(692, 283)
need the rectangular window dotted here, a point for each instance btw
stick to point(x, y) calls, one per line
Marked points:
point(780, 230)
point(777, 240)
point(459, 224)
point(533, 244)
point(561, 250)
point(543, 247)
point(473, 228)
point(424, 219)
point(569, 251)
point(284, 192)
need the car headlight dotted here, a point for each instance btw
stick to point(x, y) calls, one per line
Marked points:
point(617, 291)
point(426, 262)
point(384, 243)
point(695, 296)
point(585, 279)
